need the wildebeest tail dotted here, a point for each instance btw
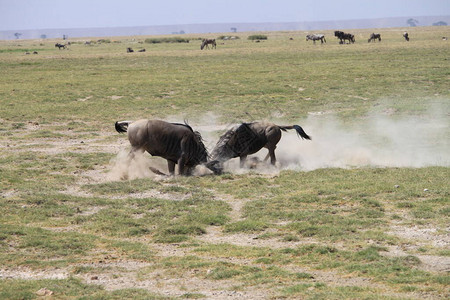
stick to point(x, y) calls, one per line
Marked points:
point(300, 132)
point(122, 126)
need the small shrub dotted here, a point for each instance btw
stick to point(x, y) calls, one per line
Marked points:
point(257, 37)
point(223, 272)
point(166, 40)
point(246, 226)
point(228, 37)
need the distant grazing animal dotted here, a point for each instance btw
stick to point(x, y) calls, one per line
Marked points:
point(206, 42)
point(35, 52)
point(444, 38)
point(177, 143)
point(316, 37)
point(142, 50)
point(59, 46)
point(373, 37)
point(342, 36)
point(246, 139)
point(87, 43)
point(406, 36)
point(129, 50)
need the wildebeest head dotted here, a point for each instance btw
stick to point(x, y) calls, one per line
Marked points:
point(239, 140)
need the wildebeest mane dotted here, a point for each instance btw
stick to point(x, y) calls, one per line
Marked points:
point(202, 152)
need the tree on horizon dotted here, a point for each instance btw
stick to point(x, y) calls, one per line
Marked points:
point(412, 22)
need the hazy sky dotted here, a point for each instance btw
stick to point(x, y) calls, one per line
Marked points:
point(43, 14)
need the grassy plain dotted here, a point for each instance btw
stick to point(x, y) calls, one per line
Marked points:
point(329, 233)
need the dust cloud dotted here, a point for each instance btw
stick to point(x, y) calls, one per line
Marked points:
point(124, 168)
point(379, 140)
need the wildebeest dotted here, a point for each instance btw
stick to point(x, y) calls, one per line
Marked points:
point(342, 36)
point(373, 37)
point(177, 143)
point(59, 46)
point(406, 36)
point(142, 50)
point(129, 50)
point(249, 138)
point(316, 37)
point(206, 42)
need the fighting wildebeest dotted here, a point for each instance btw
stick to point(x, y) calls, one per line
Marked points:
point(342, 36)
point(373, 37)
point(59, 46)
point(177, 143)
point(206, 42)
point(406, 36)
point(316, 37)
point(249, 138)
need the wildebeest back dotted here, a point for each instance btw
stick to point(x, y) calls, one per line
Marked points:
point(167, 140)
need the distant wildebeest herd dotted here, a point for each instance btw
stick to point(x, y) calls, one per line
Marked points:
point(180, 145)
point(343, 37)
point(350, 38)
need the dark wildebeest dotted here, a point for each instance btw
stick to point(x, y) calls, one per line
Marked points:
point(342, 36)
point(142, 50)
point(59, 46)
point(406, 36)
point(129, 50)
point(246, 139)
point(206, 42)
point(177, 143)
point(373, 37)
point(316, 37)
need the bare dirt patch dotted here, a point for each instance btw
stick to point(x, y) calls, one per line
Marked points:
point(419, 237)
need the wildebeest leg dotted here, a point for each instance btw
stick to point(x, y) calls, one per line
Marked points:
point(271, 154)
point(181, 163)
point(243, 158)
point(132, 153)
point(171, 166)
point(273, 159)
point(189, 171)
point(185, 148)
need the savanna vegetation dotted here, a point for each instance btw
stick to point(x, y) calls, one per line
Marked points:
point(68, 230)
